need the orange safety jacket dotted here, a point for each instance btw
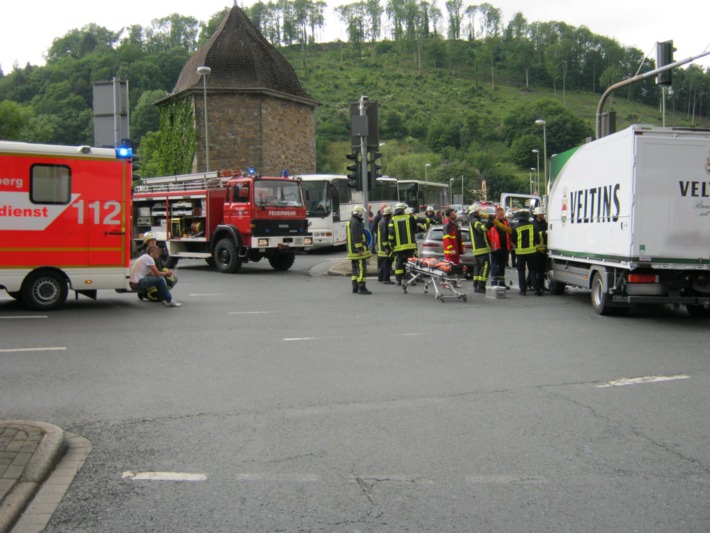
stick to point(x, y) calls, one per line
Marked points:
point(453, 242)
point(494, 236)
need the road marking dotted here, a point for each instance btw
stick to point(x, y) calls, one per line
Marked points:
point(250, 312)
point(304, 338)
point(636, 381)
point(411, 334)
point(22, 317)
point(49, 349)
point(205, 294)
point(262, 476)
point(163, 476)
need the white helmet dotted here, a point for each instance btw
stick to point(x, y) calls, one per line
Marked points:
point(474, 207)
point(400, 205)
point(387, 210)
point(539, 211)
point(429, 208)
point(358, 210)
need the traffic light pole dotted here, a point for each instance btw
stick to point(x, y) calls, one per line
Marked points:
point(363, 150)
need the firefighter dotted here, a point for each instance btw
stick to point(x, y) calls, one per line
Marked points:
point(384, 250)
point(145, 275)
point(540, 225)
point(479, 226)
point(152, 293)
point(499, 237)
point(358, 252)
point(525, 239)
point(402, 239)
point(453, 241)
point(431, 217)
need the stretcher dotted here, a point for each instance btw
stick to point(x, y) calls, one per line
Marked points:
point(444, 276)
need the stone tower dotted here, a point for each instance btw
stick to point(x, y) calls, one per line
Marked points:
point(258, 114)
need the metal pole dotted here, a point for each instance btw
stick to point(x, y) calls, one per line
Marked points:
point(204, 72)
point(363, 151)
point(544, 148)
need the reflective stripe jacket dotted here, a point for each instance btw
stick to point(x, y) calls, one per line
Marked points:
point(479, 235)
point(541, 235)
point(525, 239)
point(357, 241)
point(383, 242)
point(401, 234)
point(453, 242)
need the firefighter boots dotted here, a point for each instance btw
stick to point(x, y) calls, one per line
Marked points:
point(362, 289)
point(355, 287)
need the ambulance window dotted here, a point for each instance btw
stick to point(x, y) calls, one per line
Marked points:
point(50, 184)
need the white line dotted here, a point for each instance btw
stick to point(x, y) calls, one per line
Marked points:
point(304, 338)
point(411, 334)
point(204, 294)
point(506, 479)
point(636, 381)
point(21, 317)
point(163, 476)
point(50, 349)
point(250, 312)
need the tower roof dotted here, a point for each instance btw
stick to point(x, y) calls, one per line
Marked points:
point(241, 59)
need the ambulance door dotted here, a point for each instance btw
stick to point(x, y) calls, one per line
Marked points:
point(106, 192)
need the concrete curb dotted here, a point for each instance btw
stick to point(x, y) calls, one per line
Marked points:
point(45, 457)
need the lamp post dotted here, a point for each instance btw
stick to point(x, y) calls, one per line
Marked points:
point(531, 180)
point(426, 173)
point(537, 153)
point(204, 72)
point(451, 190)
point(543, 123)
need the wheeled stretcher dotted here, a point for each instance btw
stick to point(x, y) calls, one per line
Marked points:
point(444, 276)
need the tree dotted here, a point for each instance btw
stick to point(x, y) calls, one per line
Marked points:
point(14, 119)
point(80, 43)
point(146, 116)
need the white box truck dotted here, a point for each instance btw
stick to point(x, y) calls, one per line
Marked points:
point(629, 218)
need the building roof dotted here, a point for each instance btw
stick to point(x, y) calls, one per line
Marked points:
point(241, 59)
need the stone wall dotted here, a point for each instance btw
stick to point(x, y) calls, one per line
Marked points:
point(256, 130)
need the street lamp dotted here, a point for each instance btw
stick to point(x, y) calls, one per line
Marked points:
point(204, 72)
point(451, 190)
point(426, 173)
point(531, 180)
point(542, 123)
point(537, 153)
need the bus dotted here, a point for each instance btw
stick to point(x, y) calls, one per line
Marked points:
point(416, 194)
point(329, 204)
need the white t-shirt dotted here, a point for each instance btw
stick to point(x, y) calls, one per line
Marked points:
point(141, 268)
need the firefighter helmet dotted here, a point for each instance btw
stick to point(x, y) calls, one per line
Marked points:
point(148, 237)
point(387, 211)
point(400, 205)
point(358, 210)
point(474, 207)
point(539, 211)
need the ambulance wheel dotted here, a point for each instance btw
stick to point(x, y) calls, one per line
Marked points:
point(600, 298)
point(226, 258)
point(282, 261)
point(45, 290)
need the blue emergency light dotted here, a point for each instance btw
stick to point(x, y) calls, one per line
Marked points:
point(124, 152)
point(251, 171)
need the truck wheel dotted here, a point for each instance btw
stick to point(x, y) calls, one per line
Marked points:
point(226, 258)
point(45, 290)
point(282, 261)
point(556, 287)
point(600, 298)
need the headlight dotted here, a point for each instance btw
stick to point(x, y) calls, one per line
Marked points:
point(308, 241)
point(262, 243)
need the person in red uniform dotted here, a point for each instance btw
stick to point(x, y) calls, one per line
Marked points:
point(453, 242)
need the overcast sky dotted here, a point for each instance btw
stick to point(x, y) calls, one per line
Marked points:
point(29, 27)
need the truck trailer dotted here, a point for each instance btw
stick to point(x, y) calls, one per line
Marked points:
point(629, 219)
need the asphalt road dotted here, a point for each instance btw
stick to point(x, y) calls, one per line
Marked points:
point(282, 402)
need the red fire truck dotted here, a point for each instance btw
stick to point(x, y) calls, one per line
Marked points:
point(64, 221)
point(225, 217)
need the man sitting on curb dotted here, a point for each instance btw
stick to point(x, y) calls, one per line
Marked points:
point(145, 275)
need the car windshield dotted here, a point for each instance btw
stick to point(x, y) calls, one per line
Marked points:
point(280, 193)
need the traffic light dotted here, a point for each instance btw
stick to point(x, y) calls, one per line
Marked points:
point(354, 171)
point(374, 170)
point(664, 56)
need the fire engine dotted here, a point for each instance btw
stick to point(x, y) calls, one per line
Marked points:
point(226, 217)
point(64, 221)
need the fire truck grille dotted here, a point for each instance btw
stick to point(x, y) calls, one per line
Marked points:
point(279, 228)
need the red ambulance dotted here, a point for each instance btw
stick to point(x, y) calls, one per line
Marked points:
point(64, 221)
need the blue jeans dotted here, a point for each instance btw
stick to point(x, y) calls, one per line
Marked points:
point(154, 281)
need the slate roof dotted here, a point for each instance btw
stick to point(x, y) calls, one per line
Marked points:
point(241, 59)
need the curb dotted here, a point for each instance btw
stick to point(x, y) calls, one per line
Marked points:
point(45, 457)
